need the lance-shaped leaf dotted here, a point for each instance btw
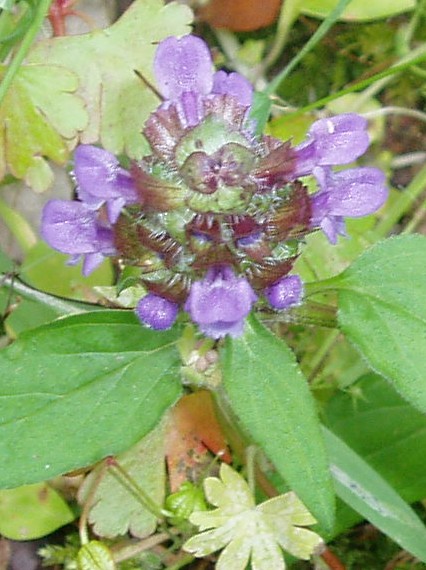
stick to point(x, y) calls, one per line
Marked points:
point(271, 399)
point(117, 100)
point(358, 10)
point(39, 117)
point(368, 493)
point(79, 389)
point(382, 311)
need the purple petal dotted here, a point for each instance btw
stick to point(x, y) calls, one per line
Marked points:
point(333, 226)
point(233, 84)
point(285, 292)
point(156, 312)
point(340, 139)
point(190, 109)
point(69, 227)
point(182, 65)
point(357, 192)
point(220, 302)
point(91, 262)
point(101, 179)
point(334, 141)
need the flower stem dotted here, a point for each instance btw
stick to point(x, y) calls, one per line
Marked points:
point(130, 484)
point(310, 44)
point(379, 80)
point(58, 304)
point(402, 204)
point(39, 16)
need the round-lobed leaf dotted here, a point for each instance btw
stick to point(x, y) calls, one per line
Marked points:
point(79, 389)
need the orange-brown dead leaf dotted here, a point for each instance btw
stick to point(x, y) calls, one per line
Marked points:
point(193, 431)
point(240, 15)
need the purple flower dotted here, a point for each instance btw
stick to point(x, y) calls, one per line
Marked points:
point(285, 292)
point(183, 65)
point(73, 228)
point(333, 141)
point(184, 73)
point(157, 312)
point(220, 302)
point(101, 180)
point(353, 193)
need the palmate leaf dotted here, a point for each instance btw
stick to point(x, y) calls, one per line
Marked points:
point(105, 61)
point(115, 507)
point(39, 116)
point(79, 389)
point(248, 531)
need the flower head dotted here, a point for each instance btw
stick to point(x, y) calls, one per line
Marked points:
point(215, 216)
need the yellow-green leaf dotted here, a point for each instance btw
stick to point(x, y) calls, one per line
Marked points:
point(32, 511)
point(39, 117)
point(105, 61)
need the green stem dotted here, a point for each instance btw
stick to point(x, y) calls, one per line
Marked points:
point(289, 12)
point(401, 205)
point(184, 561)
point(26, 43)
point(417, 218)
point(330, 284)
point(130, 484)
point(382, 78)
point(310, 44)
point(58, 304)
point(310, 313)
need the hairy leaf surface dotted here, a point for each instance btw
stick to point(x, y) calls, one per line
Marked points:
point(117, 100)
point(79, 389)
point(271, 399)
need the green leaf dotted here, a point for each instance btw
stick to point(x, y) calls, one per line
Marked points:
point(79, 389)
point(385, 430)
point(382, 311)
point(32, 511)
point(365, 491)
point(358, 10)
point(271, 399)
point(95, 556)
point(105, 61)
point(47, 270)
point(116, 508)
point(38, 116)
